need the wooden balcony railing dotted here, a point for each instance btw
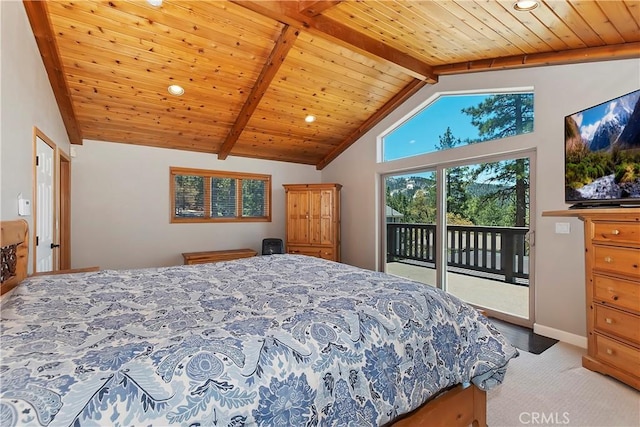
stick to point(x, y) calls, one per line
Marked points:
point(501, 253)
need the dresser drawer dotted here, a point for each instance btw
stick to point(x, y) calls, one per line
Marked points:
point(616, 322)
point(617, 354)
point(616, 232)
point(621, 293)
point(617, 260)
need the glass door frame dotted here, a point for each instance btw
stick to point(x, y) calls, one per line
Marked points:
point(441, 226)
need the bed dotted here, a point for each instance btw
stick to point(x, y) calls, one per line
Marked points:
point(273, 340)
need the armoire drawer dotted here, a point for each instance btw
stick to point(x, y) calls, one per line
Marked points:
point(315, 251)
point(616, 232)
point(617, 260)
point(616, 322)
point(617, 354)
point(621, 293)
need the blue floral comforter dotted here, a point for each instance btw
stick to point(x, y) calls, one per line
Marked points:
point(281, 340)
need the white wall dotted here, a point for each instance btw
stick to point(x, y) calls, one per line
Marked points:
point(27, 101)
point(558, 91)
point(120, 206)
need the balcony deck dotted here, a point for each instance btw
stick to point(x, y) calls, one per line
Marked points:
point(492, 294)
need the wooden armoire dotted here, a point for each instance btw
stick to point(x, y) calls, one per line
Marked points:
point(313, 220)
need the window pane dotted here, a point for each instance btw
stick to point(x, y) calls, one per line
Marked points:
point(411, 209)
point(455, 120)
point(254, 198)
point(219, 196)
point(223, 197)
point(487, 223)
point(189, 196)
point(495, 194)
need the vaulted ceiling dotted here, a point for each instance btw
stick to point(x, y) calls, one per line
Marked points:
point(253, 70)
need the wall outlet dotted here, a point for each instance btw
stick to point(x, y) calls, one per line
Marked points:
point(563, 228)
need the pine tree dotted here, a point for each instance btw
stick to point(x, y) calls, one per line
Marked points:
point(456, 178)
point(500, 116)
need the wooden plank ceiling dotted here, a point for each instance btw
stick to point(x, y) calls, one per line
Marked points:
point(253, 70)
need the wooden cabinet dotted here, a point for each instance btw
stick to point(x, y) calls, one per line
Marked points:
point(313, 220)
point(612, 248)
point(191, 258)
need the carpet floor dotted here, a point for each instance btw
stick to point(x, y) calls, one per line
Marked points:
point(553, 389)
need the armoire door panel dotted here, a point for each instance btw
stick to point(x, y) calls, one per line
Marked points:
point(298, 217)
point(313, 220)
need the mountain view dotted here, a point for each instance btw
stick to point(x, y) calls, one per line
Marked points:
point(602, 147)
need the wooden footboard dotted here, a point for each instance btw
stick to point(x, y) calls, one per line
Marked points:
point(458, 407)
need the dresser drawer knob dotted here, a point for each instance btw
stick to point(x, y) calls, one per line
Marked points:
point(615, 232)
point(610, 352)
point(608, 320)
point(608, 259)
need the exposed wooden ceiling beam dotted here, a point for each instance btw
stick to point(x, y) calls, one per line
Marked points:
point(620, 51)
point(313, 8)
point(288, 12)
point(373, 120)
point(282, 47)
point(338, 31)
point(42, 30)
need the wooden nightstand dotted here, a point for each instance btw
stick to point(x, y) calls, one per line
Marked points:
point(191, 258)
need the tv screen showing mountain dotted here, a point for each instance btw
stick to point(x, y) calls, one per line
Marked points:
point(602, 153)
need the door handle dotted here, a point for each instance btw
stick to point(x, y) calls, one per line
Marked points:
point(530, 238)
point(54, 246)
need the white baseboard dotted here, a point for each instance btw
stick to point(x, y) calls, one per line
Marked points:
point(557, 334)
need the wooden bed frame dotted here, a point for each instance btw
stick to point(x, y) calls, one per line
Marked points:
point(461, 406)
point(14, 241)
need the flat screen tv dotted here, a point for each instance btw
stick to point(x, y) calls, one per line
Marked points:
point(602, 154)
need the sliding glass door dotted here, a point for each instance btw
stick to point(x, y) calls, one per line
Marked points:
point(487, 229)
point(465, 228)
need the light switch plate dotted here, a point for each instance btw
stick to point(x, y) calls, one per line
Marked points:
point(563, 228)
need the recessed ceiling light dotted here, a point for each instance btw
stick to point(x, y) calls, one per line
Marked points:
point(310, 118)
point(155, 3)
point(175, 90)
point(525, 5)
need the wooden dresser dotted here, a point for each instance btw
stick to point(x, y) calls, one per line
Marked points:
point(313, 220)
point(612, 250)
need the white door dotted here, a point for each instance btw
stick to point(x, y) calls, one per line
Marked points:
point(44, 206)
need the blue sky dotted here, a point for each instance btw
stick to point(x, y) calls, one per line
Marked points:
point(420, 134)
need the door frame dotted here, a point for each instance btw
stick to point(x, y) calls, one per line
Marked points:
point(439, 169)
point(64, 187)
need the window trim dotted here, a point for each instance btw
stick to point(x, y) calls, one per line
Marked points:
point(238, 176)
